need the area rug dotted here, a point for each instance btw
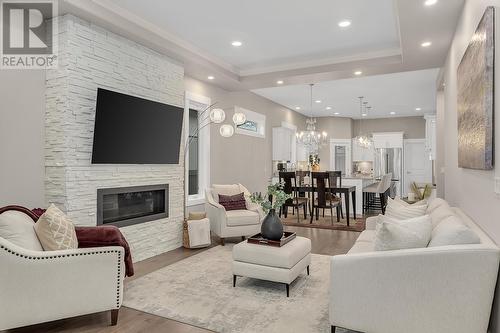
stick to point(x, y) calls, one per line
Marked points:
point(357, 225)
point(198, 291)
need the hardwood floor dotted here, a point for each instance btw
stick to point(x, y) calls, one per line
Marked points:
point(324, 241)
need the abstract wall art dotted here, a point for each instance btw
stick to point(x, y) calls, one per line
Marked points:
point(475, 102)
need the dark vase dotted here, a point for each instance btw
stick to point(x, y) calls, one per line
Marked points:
point(272, 228)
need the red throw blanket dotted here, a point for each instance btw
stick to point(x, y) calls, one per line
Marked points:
point(105, 236)
point(98, 237)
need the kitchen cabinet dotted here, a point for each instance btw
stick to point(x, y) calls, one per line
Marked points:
point(361, 153)
point(430, 135)
point(282, 144)
point(302, 153)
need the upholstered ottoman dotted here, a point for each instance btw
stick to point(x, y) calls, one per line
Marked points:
point(277, 264)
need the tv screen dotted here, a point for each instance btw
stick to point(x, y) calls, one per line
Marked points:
point(133, 130)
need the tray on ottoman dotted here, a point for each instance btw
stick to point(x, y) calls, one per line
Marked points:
point(258, 239)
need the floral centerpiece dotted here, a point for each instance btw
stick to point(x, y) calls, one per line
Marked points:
point(271, 227)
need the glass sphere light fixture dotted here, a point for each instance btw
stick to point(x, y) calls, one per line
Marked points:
point(217, 116)
point(226, 130)
point(239, 118)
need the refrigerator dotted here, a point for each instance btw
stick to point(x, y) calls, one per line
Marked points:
point(390, 160)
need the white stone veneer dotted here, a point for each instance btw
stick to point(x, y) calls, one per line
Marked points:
point(92, 57)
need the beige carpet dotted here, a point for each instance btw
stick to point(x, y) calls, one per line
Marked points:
point(198, 291)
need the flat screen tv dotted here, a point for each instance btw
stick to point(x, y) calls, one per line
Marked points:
point(133, 130)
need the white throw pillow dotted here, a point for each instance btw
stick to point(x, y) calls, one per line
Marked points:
point(392, 234)
point(400, 212)
point(18, 228)
point(435, 203)
point(231, 189)
point(440, 213)
point(55, 230)
point(451, 231)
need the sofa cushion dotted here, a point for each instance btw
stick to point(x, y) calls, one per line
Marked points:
point(362, 247)
point(401, 212)
point(366, 236)
point(18, 228)
point(196, 216)
point(394, 234)
point(452, 231)
point(231, 189)
point(440, 213)
point(435, 203)
point(242, 217)
point(233, 202)
point(55, 230)
point(283, 257)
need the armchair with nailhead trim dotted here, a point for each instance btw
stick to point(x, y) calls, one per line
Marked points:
point(38, 286)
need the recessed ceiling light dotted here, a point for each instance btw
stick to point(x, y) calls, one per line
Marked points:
point(426, 44)
point(328, 108)
point(364, 114)
point(279, 82)
point(297, 108)
point(236, 43)
point(210, 77)
point(430, 2)
point(344, 23)
point(392, 112)
point(418, 109)
point(318, 101)
point(358, 72)
point(336, 113)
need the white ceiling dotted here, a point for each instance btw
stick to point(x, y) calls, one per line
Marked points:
point(277, 31)
point(294, 41)
point(401, 93)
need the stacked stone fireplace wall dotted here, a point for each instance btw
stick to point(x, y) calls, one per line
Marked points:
point(91, 57)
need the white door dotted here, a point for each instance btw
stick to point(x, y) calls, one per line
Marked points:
point(417, 165)
point(340, 156)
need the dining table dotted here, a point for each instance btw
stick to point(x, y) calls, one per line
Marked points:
point(345, 190)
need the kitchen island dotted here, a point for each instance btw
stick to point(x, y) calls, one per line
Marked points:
point(360, 181)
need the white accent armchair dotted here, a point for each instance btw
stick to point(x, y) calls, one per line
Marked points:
point(42, 286)
point(233, 223)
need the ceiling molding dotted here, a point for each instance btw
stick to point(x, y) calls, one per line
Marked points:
point(320, 62)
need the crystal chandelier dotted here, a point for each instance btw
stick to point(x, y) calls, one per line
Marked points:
point(363, 140)
point(311, 139)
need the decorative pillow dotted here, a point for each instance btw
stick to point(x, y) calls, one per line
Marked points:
point(399, 212)
point(435, 203)
point(440, 213)
point(55, 230)
point(233, 202)
point(18, 228)
point(196, 216)
point(232, 189)
point(392, 234)
point(451, 231)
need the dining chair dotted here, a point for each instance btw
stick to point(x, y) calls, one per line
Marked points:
point(290, 187)
point(320, 186)
point(335, 180)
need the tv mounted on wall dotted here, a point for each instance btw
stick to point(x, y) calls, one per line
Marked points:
point(133, 130)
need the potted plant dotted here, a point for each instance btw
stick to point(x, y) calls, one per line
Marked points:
point(271, 227)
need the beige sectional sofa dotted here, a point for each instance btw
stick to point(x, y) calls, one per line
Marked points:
point(433, 289)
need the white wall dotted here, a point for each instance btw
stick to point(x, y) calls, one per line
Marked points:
point(22, 114)
point(472, 190)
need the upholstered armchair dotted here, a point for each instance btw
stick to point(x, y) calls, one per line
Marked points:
point(39, 286)
point(232, 223)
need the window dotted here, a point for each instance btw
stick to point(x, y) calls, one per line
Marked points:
point(193, 182)
point(197, 156)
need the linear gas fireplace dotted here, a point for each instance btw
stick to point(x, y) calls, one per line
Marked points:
point(122, 206)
